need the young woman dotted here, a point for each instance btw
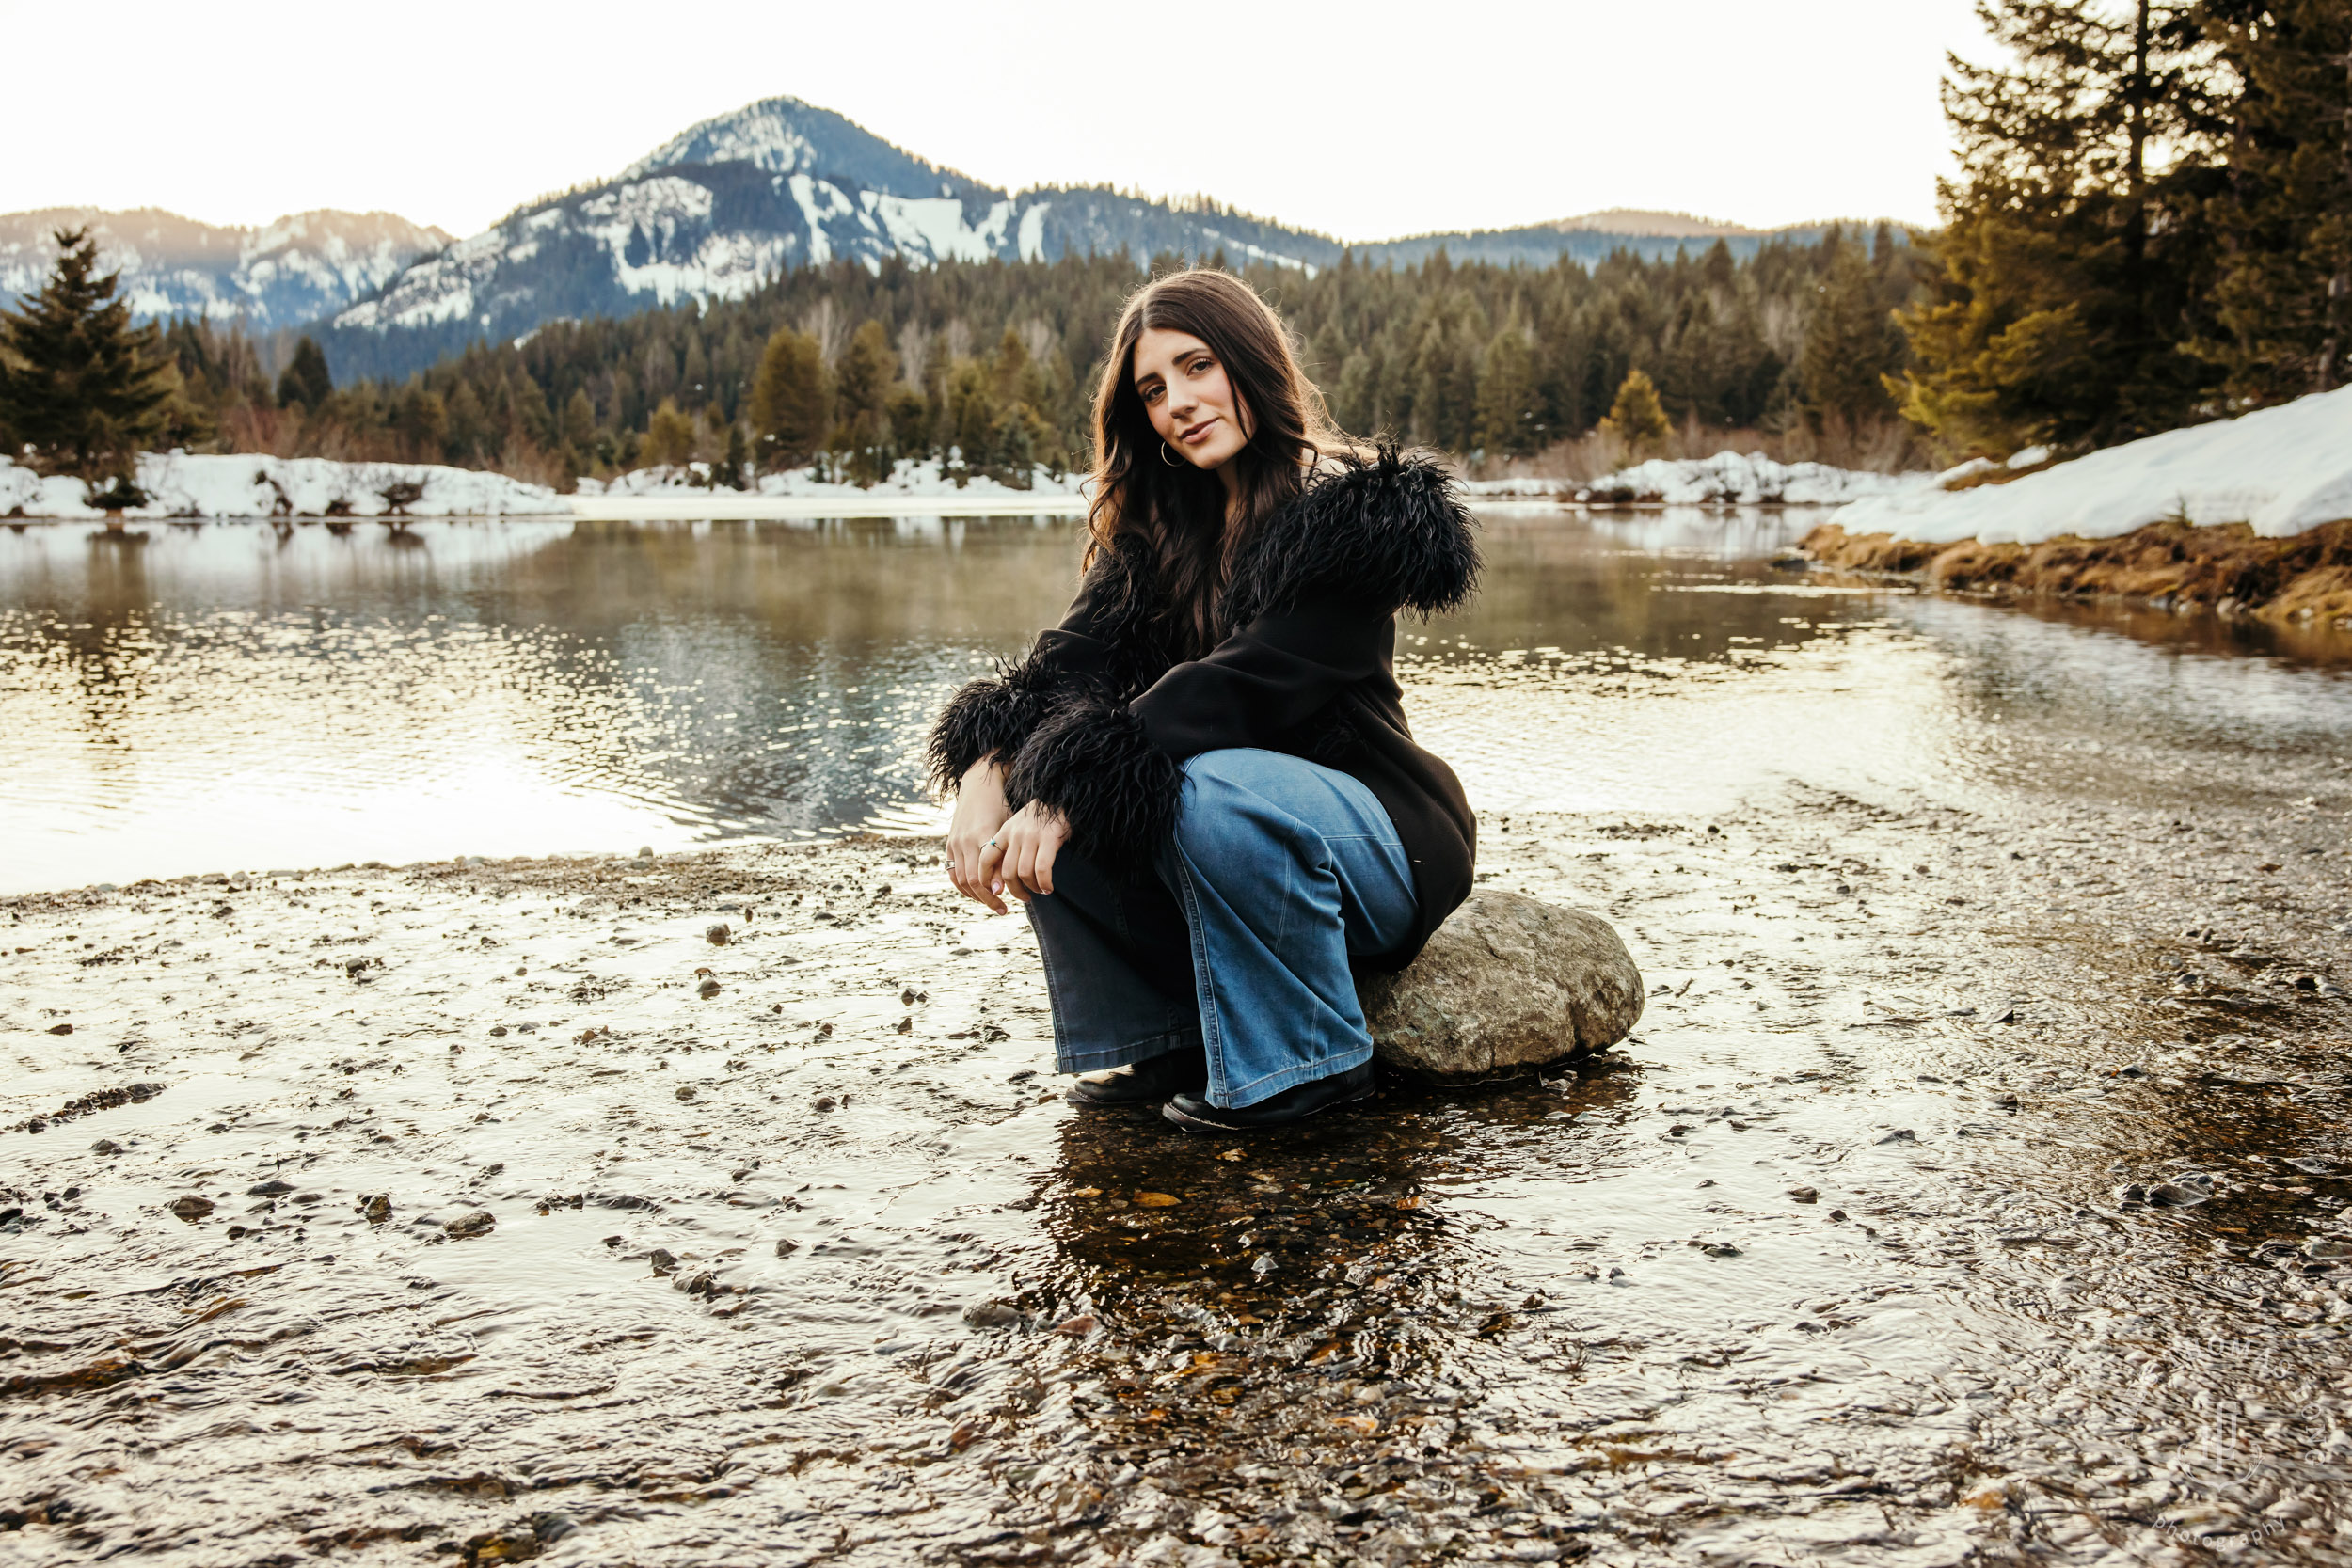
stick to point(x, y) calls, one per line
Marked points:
point(1201, 784)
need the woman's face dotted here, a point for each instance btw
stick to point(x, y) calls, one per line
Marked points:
point(1192, 403)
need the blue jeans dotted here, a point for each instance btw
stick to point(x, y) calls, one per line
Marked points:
point(1238, 940)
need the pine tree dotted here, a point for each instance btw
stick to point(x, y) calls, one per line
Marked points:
point(2284, 301)
point(576, 431)
point(669, 437)
point(79, 385)
point(1637, 418)
point(2072, 264)
point(1850, 344)
point(1506, 396)
point(305, 380)
point(791, 403)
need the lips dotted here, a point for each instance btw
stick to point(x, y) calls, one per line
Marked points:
point(1194, 434)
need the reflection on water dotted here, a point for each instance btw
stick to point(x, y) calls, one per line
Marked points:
point(225, 697)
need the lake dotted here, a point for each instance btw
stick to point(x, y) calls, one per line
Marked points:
point(234, 697)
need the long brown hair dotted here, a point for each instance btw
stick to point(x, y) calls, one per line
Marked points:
point(1176, 514)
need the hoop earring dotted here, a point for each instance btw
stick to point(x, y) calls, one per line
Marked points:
point(1167, 458)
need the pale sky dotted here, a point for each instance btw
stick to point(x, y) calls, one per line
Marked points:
point(1366, 121)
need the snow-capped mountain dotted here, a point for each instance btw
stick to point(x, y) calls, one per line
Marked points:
point(782, 183)
point(285, 274)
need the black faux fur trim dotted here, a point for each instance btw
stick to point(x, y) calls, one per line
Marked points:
point(1091, 761)
point(992, 716)
point(1385, 526)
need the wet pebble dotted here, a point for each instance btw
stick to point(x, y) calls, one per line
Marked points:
point(718, 935)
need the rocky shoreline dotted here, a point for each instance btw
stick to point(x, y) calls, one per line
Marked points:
point(2304, 579)
point(720, 1207)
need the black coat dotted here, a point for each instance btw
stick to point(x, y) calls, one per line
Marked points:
point(1095, 721)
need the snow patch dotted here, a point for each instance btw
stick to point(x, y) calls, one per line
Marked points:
point(1750, 478)
point(908, 478)
point(243, 485)
point(2280, 471)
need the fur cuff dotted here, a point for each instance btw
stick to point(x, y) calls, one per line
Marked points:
point(991, 717)
point(1091, 762)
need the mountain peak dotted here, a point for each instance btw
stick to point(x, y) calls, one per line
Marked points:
point(786, 136)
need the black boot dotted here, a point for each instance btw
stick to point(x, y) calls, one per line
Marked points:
point(1179, 1071)
point(1195, 1115)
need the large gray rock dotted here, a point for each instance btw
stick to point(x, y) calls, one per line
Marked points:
point(1507, 984)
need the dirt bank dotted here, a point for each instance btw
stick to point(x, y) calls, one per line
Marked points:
point(2307, 578)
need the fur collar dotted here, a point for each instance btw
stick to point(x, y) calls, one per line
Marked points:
point(1389, 526)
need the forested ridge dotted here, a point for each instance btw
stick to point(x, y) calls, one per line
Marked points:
point(993, 363)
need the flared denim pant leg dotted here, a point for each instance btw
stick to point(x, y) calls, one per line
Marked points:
point(1118, 967)
point(1284, 869)
point(1280, 871)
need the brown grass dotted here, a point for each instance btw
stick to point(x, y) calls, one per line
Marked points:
point(2172, 565)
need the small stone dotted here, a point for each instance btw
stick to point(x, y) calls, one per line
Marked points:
point(270, 1188)
point(1023, 1076)
point(662, 1259)
point(686, 1091)
point(991, 1314)
point(1804, 1194)
point(497, 1030)
point(719, 935)
point(106, 1146)
point(2177, 1195)
point(1901, 1135)
point(824, 1103)
point(786, 1246)
point(1157, 1200)
point(707, 989)
point(1719, 1249)
point(478, 1223)
point(378, 1210)
point(1077, 1327)
point(62, 1028)
point(2327, 1249)
point(190, 1209)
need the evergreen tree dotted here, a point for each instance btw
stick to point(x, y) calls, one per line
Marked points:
point(1851, 346)
point(2072, 261)
point(79, 385)
point(2284, 300)
point(1637, 418)
point(304, 379)
point(669, 437)
point(791, 402)
point(1507, 415)
point(578, 431)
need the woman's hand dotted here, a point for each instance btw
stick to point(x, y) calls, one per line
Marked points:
point(980, 811)
point(1020, 862)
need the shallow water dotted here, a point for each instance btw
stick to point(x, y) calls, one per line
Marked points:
point(1960, 924)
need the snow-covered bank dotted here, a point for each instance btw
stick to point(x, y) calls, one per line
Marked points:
point(908, 478)
point(1726, 479)
point(248, 485)
point(2282, 471)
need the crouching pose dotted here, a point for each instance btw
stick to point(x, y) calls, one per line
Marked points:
point(1201, 784)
